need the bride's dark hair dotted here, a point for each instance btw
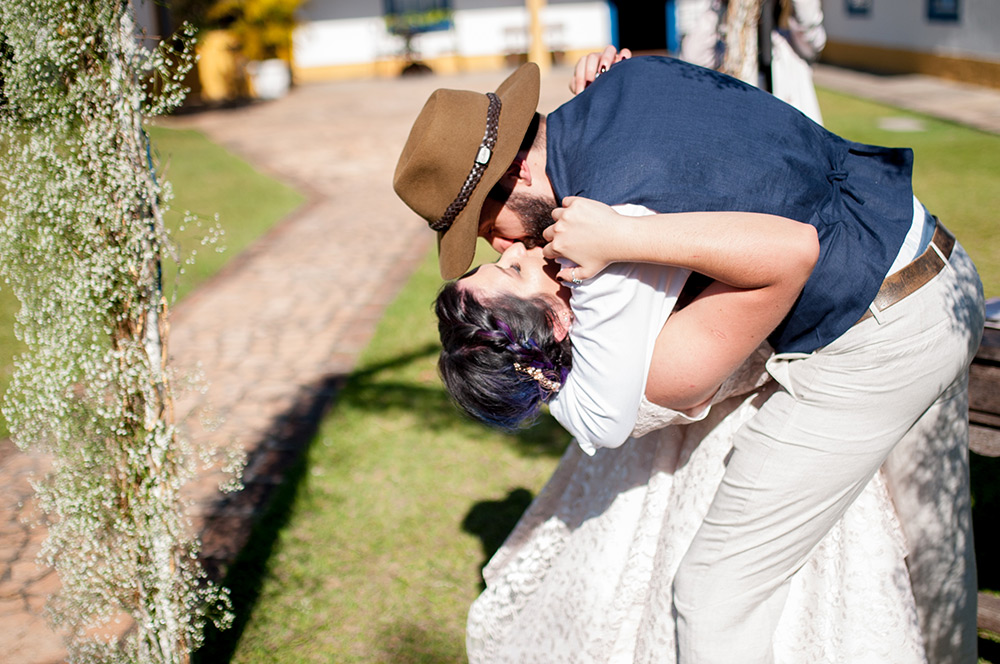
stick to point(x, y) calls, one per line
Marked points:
point(500, 359)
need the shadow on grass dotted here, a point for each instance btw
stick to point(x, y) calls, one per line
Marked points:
point(275, 472)
point(264, 507)
point(493, 520)
point(247, 572)
point(379, 389)
point(408, 643)
point(370, 390)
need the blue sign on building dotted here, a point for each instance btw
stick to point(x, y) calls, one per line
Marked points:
point(859, 7)
point(942, 10)
point(415, 16)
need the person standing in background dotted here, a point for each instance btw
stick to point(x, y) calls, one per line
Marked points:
point(791, 37)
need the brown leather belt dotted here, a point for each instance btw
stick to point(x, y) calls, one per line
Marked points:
point(908, 280)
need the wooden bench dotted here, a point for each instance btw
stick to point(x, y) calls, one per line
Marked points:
point(984, 436)
point(984, 396)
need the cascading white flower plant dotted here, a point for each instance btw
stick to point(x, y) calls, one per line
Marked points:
point(81, 240)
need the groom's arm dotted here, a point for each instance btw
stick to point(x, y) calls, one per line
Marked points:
point(702, 344)
point(759, 270)
point(760, 264)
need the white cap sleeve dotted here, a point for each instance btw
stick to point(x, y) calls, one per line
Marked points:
point(618, 315)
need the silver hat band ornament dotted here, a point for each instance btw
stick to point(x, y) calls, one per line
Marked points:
point(478, 168)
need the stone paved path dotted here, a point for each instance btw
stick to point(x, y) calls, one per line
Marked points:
point(275, 332)
point(963, 103)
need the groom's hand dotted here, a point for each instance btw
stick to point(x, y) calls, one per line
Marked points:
point(592, 65)
point(586, 232)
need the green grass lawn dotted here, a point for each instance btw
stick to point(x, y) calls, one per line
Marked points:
point(386, 523)
point(207, 180)
point(9, 345)
point(373, 549)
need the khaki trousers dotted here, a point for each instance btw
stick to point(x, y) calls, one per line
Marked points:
point(895, 382)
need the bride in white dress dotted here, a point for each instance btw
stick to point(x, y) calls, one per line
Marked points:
point(587, 574)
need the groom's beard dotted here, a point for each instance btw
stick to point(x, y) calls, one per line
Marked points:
point(535, 213)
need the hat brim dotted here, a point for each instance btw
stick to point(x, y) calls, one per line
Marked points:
point(519, 100)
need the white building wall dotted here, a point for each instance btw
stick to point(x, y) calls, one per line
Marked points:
point(342, 32)
point(903, 24)
point(343, 41)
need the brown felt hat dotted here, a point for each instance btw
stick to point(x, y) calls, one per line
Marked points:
point(460, 145)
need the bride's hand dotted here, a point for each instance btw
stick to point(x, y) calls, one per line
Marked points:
point(592, 65)
point(586, 232)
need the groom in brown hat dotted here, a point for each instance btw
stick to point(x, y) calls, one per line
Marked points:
point(460, 146)
point(675, 137)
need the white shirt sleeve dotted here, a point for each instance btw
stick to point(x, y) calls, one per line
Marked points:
point(701, 38)
point(807, 34)
point(618, 315)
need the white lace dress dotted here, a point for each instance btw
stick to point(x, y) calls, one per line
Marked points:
point(586, 575)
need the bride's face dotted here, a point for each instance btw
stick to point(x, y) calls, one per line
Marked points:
point(523, 273)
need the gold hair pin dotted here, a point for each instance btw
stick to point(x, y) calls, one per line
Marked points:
point(540, 378)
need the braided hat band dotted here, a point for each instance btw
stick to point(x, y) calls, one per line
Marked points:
point(478, 168)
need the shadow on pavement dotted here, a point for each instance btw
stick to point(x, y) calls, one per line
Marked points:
point(246, 525)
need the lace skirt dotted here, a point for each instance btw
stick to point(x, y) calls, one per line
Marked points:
point(586, 575)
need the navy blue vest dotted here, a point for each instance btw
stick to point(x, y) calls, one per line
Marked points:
point(675, 137)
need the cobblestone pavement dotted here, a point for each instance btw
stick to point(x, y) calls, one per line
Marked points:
point(275, 332)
